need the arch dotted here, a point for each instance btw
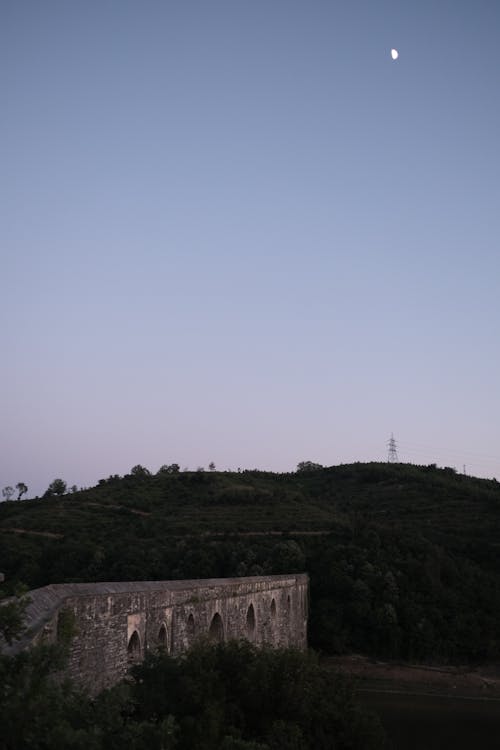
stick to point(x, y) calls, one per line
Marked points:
point(273, 609)
point(134, 647)
point(162, 637)
point(190, 628)
point(216, 631)
point(250, 621)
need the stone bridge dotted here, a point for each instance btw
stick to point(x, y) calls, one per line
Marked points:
point(116, 624)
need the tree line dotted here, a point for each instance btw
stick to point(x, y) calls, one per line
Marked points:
point(9, 491)
point(228, 696)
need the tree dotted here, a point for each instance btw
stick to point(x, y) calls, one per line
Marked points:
point(211, 466)
point(287, 557)
point(12, 617)
point(57, 487)
point(308, 466)
point(7, 492)
point(22, 489)
point(140, 471)
point(233, 696)
point(169, 469)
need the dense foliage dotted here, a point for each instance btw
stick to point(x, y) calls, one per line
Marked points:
point(404, 560)
point(225, 697)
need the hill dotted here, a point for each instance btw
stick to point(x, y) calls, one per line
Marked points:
point(404, 560)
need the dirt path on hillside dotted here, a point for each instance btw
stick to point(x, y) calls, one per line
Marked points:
point(120, 507)
point(267, 533)
point(49, 534)
point(272, 532)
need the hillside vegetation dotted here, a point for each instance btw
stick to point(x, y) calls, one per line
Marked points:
point(404, 560)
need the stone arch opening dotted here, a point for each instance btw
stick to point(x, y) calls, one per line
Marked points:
point(273, 610)
point(250, 622)
point(134, 647)
point(190, 628)
point(162, 637)
point(216, 631)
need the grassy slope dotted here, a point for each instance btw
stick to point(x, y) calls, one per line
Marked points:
point(458, 512)
point(404, 560)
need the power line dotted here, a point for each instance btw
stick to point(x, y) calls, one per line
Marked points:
point(479, 461)
point(419, 447)
point(454, 455)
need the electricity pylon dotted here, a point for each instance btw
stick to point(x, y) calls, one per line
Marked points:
point(392, 453)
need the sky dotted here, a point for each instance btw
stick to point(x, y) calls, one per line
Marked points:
point(237, 231)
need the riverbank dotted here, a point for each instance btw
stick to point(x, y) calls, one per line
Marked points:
point(431, 707)
point(457, 681)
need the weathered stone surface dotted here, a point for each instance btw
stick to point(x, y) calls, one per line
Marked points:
point(117, 623)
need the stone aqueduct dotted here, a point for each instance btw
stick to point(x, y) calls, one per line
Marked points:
point(115, 624)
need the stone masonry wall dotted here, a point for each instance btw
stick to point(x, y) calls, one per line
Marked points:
point(116, 624)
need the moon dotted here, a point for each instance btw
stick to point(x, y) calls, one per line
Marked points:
point(394, 54)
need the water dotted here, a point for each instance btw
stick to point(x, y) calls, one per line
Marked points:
point(429, 722)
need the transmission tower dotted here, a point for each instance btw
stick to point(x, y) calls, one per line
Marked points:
point(392, 453)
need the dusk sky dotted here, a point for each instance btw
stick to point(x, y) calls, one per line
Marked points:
point(240, 232)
